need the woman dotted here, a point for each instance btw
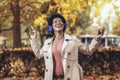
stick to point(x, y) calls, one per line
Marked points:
point(60, 52)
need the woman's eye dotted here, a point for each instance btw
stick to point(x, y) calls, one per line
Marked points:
point(57, 22)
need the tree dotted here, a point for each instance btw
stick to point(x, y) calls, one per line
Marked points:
point(116, 24)
point(77, 16)
point(14, 9)
point(16, 15)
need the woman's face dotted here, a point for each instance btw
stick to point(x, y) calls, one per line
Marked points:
point(58, 24)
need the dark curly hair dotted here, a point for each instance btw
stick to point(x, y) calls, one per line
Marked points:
point(50, 21)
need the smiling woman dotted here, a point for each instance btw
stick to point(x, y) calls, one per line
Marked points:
point(60, 51)
point(57, 25)
point(59, 20)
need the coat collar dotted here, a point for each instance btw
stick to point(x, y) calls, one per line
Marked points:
point(66, 38)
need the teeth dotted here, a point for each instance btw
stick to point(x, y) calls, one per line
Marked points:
point(58, 26)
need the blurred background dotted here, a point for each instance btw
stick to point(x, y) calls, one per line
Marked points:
point(83, 18)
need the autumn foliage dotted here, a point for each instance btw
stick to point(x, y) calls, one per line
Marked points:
point(21, 63)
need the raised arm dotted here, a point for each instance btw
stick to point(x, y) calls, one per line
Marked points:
point(89, 49)
point(35, 44)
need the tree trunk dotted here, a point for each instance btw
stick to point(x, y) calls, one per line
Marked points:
point(16, 24)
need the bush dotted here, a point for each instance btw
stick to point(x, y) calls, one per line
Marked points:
point(22, 63)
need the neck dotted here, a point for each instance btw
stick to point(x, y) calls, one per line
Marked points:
point(59, 36)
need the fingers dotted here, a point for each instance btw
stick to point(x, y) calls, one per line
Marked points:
point(32, 27)
point(101, 31)
point(32, 30)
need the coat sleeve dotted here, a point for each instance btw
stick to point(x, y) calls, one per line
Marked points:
point(36, 47)
point(88, 49)
point(84, 48)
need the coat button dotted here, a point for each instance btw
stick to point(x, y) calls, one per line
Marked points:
point(47, 57)
point(46, 70)
point(67, 39)
point(69, 53)
point(68, 66)
point(68, 78)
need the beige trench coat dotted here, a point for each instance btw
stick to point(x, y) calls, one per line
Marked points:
point(70, 48)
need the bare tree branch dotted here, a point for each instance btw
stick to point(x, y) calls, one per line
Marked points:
point(11, 7)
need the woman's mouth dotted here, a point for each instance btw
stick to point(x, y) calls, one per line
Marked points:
point(58, 25)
